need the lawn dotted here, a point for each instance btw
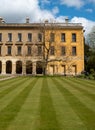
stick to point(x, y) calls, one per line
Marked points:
point(47, 103)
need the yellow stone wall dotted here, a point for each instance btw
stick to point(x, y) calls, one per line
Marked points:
point(66, 64)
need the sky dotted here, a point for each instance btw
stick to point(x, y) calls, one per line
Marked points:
point(78, 11)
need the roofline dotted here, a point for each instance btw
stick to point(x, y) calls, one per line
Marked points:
point(43, 25)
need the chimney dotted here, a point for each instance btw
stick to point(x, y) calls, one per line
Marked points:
point(27, 20)
point(66, 20)
point(46, 21)
point(1, 19)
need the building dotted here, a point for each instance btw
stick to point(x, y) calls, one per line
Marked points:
point(35, 48)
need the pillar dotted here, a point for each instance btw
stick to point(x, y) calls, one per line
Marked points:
point(24, 68)
point(34, 68)
point(3, 67)
point(14, 68)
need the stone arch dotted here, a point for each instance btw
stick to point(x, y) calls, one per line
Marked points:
point(19, 67)
point(0, 67)
point(29, 67)
point(9, 67)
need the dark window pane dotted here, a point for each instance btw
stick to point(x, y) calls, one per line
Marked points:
point(0, 50)
point(19, 50)
point(19, 37)
point(73, 37)
point(9, 50)
point(29, 50)
point(74, 51)
point(29, 37)
point(9, 37)
point(52, 50)
point(52, 37)
point(39, 50)
point(63, 37)
point(40, 37)
point(63, 50)
point(0, 37)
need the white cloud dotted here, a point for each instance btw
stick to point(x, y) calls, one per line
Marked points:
point(17, 10)
point(61, 19)
point(73, 3)
point(87, 24)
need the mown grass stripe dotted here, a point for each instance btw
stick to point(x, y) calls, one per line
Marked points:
point(10, 96)
point(90, 82)
point(10, 111)
point(79, 88)
point(11, 88)
point(48, 120)
point(86, 100)
point(90, 88)
point(8, 81)
point(85, 114)
point(8, 85)
point(67, 118)
point(27, 118)
point(84, 83)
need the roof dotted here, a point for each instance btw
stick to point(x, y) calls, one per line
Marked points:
point(43, 25)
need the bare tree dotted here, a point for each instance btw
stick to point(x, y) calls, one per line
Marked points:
point(49, 44)
point(49, 35)
point(91, 38)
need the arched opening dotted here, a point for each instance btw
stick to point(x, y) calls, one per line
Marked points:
point(0, 67)
point(8, 67)
point(19, 67)
point(28, 67)
point(39, 67)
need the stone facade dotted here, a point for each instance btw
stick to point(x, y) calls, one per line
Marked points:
point(24, 47)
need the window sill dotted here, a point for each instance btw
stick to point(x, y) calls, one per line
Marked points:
point(29, 55)
point(9, 43)
point(19, 43)
point(9, 55)
point(19, 55)
point(1, 43)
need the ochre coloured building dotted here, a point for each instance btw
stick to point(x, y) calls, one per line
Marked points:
point(41, 48)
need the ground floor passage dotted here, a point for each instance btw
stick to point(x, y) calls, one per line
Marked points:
point(29, 67)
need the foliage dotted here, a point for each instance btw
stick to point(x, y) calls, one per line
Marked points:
point(91, 38)
point(91, 63)
point(89, 58)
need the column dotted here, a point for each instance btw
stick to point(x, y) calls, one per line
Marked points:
point(34, 68)
point(3, 67)
point(24, 68)
point(14, 68)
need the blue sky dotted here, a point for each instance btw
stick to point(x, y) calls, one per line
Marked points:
point(65, 9)
point(78, 11)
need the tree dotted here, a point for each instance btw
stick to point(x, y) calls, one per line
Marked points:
point(91, 63)
point(89, 58)
point(90, 51)
point(91, 39)
point(50, 32)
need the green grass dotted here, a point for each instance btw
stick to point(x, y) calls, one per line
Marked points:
point(2, 76)
point(47, 103)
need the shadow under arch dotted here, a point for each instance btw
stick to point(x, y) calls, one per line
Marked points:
point(18, 67)
point(9, 67)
